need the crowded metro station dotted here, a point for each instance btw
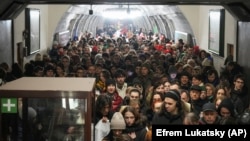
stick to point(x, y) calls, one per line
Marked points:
point(142, 80)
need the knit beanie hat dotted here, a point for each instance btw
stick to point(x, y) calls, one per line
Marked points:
point(173, 94)
point(117, 121)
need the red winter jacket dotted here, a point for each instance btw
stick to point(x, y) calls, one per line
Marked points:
point(116, 101)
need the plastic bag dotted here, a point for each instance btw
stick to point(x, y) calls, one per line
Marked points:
point(102, 129)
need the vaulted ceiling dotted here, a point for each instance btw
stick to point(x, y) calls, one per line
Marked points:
point(240, 8)
point(165, 19)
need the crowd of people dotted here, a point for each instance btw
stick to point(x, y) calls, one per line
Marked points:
point(144, 81)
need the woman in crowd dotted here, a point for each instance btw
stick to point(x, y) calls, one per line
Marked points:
point(100, 82)
point(210, 89)
point(103, 111)
point(112, 93)
point(134, 124)
point(156, 98)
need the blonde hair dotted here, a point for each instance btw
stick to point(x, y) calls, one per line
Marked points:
point(219, 98)
point(127, 91)
point(212, 87)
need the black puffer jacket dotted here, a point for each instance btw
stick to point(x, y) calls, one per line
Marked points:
point(242, 95)
point(140, 131)
point(166, 118)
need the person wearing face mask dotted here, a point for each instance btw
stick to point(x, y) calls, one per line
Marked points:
point(130, 74)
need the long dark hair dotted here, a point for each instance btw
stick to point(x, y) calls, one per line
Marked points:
point(102, 101)
point(151, 102)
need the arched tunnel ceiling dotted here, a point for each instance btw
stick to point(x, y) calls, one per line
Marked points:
point(136, 2)
point(147, 10)
point(165, 19)
point(10, 9)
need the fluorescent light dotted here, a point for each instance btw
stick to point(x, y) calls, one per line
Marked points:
point(121, 14)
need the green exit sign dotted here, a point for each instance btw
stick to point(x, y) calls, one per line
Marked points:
point(9, 105)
